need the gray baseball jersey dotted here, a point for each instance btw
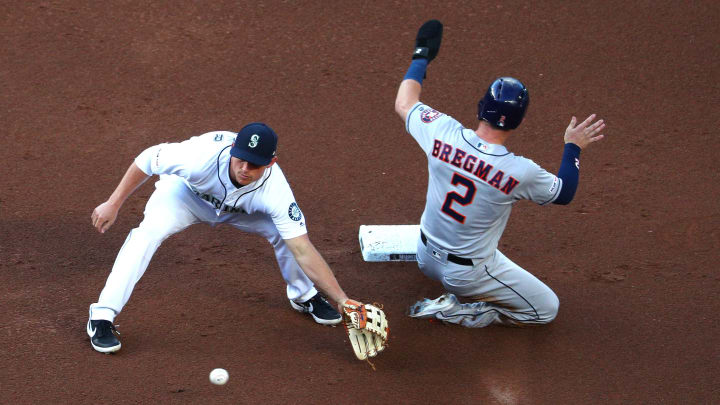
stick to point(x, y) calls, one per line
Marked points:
point(472, 184)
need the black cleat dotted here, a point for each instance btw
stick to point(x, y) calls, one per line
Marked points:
point(320, 309)
point(102, 336)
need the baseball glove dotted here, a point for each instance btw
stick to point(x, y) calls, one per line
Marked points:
point(367, 328)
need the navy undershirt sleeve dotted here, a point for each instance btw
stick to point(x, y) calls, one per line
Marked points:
point(569, 173)
point(417, 69)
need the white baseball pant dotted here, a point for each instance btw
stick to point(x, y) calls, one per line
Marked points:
point(171, 208)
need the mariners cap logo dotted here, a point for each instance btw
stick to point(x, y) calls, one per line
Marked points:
point(254, 140)
point(255, 143)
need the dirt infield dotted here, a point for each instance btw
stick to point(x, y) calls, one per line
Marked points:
point(88, 85)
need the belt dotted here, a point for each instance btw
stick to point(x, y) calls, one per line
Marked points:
point(451, 257)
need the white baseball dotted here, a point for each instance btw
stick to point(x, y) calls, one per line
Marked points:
point(219, 376)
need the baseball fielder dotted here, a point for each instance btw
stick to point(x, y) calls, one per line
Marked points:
point(473, 183)
point(216, 178)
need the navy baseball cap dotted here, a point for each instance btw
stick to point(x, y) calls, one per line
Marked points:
point(255, 143)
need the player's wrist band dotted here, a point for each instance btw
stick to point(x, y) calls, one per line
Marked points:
point(417, 69)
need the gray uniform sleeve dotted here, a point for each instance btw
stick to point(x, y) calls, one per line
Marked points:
point(538, 185)
point(423, 122)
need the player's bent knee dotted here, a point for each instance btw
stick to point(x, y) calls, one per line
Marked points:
point(549, 308)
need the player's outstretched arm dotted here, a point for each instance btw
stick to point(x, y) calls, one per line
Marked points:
point(427, 46)
point(105, 214)
point(408, 94)
point(315, 267)
point(366, 325)
point(577, 137)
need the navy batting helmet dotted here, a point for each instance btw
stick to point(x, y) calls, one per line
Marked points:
point(504, 104)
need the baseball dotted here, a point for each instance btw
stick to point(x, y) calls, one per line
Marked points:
point(219, 376)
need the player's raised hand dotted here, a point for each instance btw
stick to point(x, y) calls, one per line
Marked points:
point(104, 215)
point(586, 132)
point(427, 41)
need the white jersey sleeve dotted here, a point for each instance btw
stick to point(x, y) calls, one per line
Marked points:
point(186, 159)
point(282, 207)
point(539, 185)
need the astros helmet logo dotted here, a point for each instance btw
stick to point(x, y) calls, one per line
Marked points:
point(254, 140)
point(501, 121)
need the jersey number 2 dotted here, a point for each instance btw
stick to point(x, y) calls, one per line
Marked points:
point(460, 199)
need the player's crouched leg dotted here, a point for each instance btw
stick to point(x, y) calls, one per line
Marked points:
point(539, 308)
point(525, 299)
point(547, 307)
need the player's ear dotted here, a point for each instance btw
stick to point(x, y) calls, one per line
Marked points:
point(272, 162)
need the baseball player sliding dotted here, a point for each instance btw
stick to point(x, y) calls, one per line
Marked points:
point(473, 183)
point(219, 178)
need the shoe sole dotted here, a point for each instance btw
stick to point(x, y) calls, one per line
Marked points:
point(106, 350)
point(431, 307)
point(329, 322)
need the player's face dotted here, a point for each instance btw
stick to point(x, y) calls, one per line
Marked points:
point(244, 172)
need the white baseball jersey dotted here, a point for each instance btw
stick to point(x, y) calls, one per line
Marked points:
point(195, 187)
point(203, 163)
point(472, 184)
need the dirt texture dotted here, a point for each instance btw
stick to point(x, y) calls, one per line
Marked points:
point(87, 85)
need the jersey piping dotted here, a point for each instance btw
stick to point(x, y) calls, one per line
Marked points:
point(217, 164)
point(256, 188)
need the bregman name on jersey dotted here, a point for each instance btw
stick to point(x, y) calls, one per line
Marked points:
point(473, 165)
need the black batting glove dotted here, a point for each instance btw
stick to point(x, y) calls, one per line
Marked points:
point(427, 42)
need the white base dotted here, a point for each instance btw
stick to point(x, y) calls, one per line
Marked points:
point(389, 243)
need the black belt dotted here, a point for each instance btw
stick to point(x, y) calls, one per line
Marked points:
point(451, 257)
